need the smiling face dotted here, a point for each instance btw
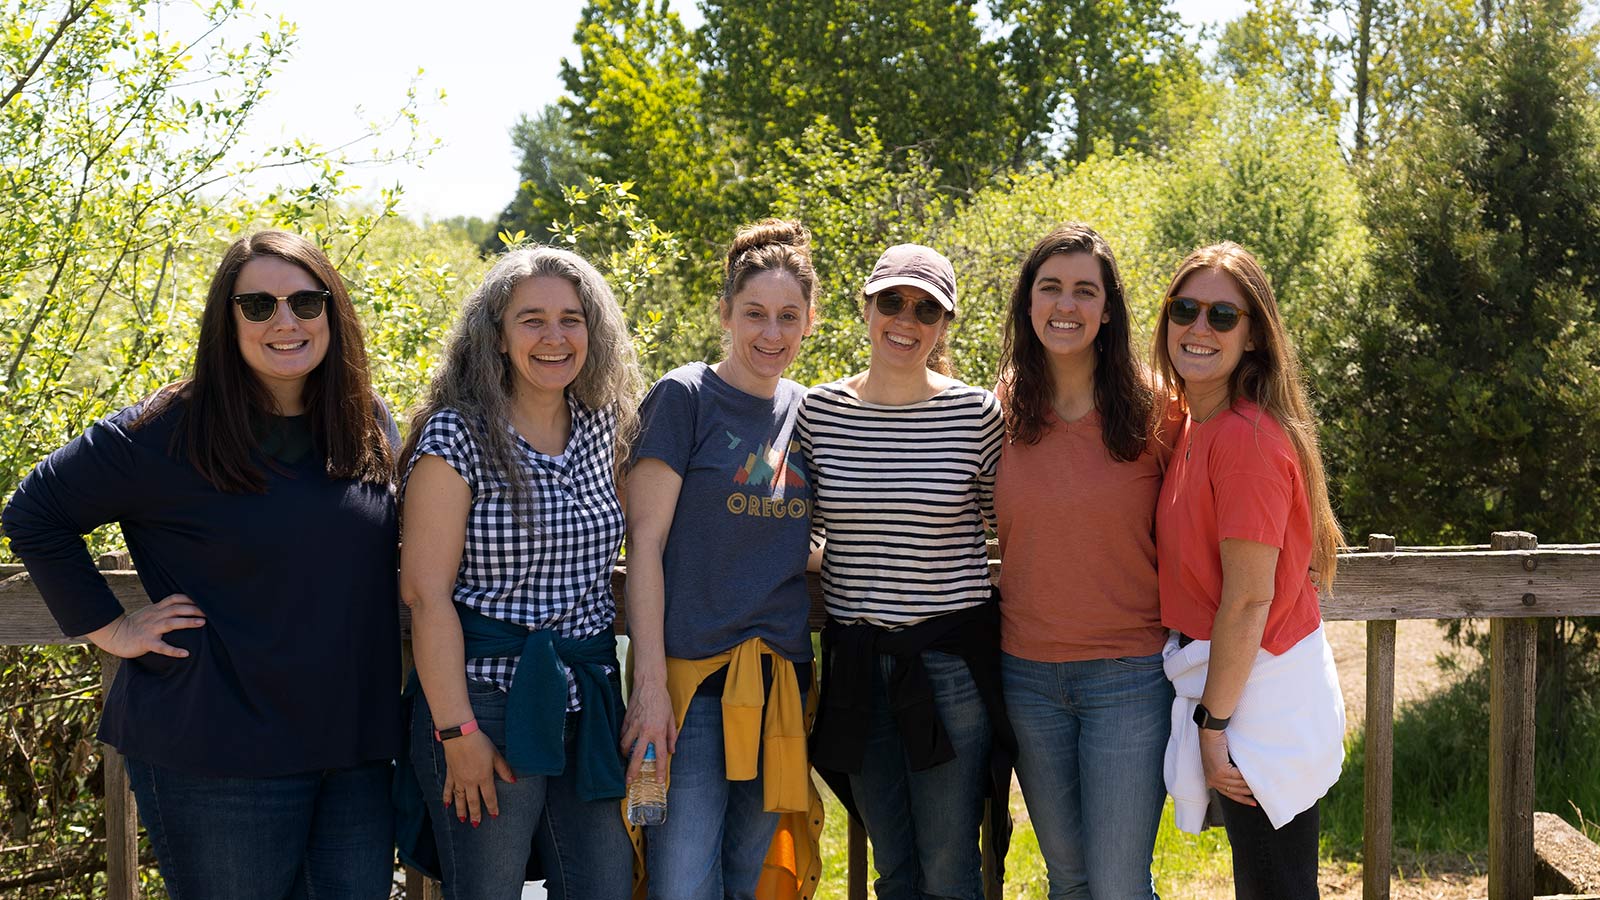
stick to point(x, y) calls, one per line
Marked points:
point(284, 350)
point(901, 341)
point(1068, 303)
point(1202, 356)
point(765, 322)
point(544, 334)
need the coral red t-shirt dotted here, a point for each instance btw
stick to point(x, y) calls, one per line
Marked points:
point(1234, 476)
point(1077, 546)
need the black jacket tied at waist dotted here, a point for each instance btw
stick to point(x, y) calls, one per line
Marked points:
point(849, 653)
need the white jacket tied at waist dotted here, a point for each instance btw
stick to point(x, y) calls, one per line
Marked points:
point(1286, 734)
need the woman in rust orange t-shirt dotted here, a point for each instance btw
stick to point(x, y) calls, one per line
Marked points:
point(1244, 537)
point(1081, 630)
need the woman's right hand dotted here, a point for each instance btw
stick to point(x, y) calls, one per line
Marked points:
point(139, 632)
point(649, 720)
point(471, 763)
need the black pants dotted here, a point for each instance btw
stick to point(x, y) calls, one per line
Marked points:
point(1268, 863)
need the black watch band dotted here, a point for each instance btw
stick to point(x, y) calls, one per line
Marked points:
point(1205, 719)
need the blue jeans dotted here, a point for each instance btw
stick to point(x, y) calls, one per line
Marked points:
point(311, 836)
point(923, 826)
point(1090, 740)
point(717, 831)
point(583, 846)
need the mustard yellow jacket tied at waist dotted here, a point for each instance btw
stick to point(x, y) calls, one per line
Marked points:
point(765, 727)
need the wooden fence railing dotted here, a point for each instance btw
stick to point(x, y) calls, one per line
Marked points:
point(1511, 581)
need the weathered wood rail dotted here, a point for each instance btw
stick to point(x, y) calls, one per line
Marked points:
point(1511, 581)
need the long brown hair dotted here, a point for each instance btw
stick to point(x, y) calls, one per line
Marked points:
point(1268, 376)
point(1122, 389)
point(224, 397)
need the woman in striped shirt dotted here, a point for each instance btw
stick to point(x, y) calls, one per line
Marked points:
point(903, 459)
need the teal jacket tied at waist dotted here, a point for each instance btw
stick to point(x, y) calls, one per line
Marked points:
point(536, 714)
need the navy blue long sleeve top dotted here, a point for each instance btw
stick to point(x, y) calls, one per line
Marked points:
point(297, 666)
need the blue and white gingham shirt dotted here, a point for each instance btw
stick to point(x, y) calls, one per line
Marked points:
point(555, 572)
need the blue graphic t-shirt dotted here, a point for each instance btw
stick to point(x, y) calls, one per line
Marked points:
point(735, 561)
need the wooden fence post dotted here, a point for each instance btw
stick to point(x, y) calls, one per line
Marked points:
point(1513, 656)
point(1378, 833)
point(856, 842)
point(122, 817)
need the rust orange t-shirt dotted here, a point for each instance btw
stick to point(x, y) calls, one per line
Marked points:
point(1235, 475)
point(1077, 547)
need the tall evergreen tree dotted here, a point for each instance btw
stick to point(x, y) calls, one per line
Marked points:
point(1479, 353)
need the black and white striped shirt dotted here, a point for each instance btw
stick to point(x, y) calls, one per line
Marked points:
point(902, 493)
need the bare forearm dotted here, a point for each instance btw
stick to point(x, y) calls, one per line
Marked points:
point(441, 659)
point(1235, 639)
point(646, 599)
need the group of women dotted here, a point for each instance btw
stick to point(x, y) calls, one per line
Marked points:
point(1156, 628)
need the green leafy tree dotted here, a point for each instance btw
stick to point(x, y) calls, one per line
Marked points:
point(1371, 65)
point(635, 107)
point(918, 73)
point(1083, 72)
point(1273, 180)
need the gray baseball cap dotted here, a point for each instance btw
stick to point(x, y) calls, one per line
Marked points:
point(914, 265)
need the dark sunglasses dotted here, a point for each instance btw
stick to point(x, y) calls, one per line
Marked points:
point(258, 306)
point(927, 311)
point(1221, 316)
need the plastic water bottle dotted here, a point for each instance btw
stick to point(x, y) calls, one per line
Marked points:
point(647, 798)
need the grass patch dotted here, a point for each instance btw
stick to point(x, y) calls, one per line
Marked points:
point(1441, 774)
point(1180, 859)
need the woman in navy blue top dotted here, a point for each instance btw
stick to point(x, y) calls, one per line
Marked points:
point(258, 710)
point(512, 529)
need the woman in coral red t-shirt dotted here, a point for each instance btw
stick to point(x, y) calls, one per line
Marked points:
point(1245, 536)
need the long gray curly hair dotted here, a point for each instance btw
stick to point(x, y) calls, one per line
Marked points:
point(475, 377)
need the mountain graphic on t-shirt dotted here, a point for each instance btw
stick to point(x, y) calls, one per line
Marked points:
point(768, 466)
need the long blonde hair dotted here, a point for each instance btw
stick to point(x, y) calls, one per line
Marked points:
point(1268, 376)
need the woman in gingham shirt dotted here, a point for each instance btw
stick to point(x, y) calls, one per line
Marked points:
point(511, 527)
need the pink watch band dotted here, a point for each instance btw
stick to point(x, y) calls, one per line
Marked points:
point(467, 727)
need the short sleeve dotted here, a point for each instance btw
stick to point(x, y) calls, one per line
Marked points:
point(446, 436)
point(1253, 480)
point(667, 424)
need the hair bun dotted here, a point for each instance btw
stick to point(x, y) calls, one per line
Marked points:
point(786, 232)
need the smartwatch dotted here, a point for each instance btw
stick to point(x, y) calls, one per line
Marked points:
point(444, 734)
point(1205, 719)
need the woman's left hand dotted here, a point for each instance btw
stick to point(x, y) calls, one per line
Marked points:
point(1221, 773)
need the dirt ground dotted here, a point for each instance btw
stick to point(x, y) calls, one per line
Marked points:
point(1417, 648)
point(1453, 879)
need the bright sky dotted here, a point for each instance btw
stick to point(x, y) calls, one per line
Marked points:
point(494, 62)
